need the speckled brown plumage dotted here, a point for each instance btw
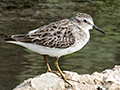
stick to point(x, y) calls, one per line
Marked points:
point(57, 34)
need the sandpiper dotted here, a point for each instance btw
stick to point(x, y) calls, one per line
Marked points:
point(58, 38)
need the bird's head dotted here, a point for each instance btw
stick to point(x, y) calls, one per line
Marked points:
point(85, 21)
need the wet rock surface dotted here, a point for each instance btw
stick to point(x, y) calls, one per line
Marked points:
point(109, 79)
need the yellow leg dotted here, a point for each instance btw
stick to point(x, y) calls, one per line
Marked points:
point(57, 66)
point(48, 67)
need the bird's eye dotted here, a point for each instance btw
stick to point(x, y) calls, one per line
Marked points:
point(84, 20)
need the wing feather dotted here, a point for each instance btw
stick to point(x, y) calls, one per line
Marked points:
point(57, 34)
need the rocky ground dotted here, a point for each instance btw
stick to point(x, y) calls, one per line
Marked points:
point(109, 79)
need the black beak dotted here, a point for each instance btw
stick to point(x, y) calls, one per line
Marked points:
point(96, 28)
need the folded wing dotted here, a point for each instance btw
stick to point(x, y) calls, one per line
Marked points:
point(57, 34)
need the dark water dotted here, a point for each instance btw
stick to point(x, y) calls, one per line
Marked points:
point(101, 52)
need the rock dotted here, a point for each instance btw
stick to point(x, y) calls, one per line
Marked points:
point(107, 80)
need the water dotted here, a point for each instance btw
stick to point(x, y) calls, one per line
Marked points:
point(101, 52)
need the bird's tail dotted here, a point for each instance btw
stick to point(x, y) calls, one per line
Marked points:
point(18, 37)
point(9, 38)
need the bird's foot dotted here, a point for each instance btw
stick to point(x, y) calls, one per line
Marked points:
point(49, 70)
point(63, 77)
point(69, 84)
